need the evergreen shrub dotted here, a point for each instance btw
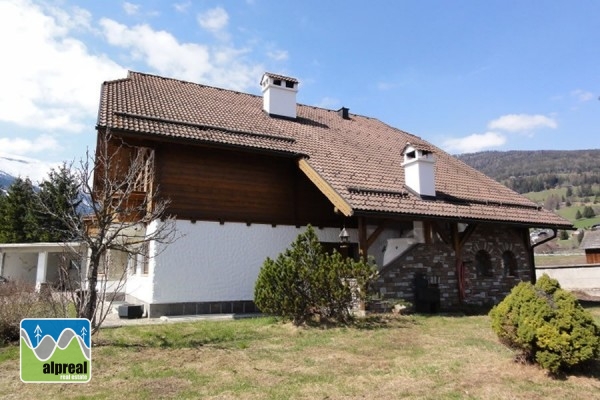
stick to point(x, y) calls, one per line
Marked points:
point(305, 282)
point(547, 325)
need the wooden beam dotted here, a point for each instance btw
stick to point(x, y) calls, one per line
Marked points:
point(325, 188)
point(443, 234)
point(460, 268)
point(427, 231)
point(362, 238)
point(466, 235)
point(373, 236)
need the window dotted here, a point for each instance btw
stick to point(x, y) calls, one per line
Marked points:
point(143, 260)
point(483, 263)
point(509, 263)
point(277, 82)
point(289, 84)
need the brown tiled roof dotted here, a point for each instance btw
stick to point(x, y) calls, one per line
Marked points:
point(591, 240)
point(360, 157)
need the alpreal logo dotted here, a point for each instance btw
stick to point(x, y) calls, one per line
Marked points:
point(56, 350)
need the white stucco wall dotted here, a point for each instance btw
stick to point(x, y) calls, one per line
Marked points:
point(20, 267)
point(214, 262)
point(585, 277)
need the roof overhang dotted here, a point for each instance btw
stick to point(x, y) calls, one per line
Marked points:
point(338, 201)
point(39, 247)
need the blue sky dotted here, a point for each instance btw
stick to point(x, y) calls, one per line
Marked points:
point(464, 75)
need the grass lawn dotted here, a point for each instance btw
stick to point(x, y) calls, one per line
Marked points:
point(413, 357)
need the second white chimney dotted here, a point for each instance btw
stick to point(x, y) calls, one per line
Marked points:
point(419, 169)
point(279, 95)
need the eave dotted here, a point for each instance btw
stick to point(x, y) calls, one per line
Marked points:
point(338, 201)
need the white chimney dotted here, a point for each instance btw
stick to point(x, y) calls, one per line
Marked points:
point(279, 95)
point(419, 169)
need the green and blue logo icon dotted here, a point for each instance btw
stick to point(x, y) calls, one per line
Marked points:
point(57, 350)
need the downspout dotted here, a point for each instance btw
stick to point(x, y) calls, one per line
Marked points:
point(532, 246)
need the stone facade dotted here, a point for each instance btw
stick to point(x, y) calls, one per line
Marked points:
point(437, 261)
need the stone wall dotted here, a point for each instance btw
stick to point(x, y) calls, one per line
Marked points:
point(438, 262)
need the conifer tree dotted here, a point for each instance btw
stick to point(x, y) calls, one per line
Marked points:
point(18, 223)
point(59, 199)
point(588, 212)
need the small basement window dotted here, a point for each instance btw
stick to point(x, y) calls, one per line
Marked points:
point(483, 263)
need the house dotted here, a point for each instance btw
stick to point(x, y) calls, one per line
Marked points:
point(591, 244)
point(245, 174)
point(40, 263)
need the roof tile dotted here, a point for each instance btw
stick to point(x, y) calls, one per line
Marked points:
point(358, 152)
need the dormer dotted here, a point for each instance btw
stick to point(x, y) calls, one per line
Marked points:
point(419, 169)
point(279, 95)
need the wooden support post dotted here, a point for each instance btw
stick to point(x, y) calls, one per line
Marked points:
point(460, 268)
point(362, 238)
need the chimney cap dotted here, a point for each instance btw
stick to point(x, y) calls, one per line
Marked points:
point(416, 146)
point(277, 76)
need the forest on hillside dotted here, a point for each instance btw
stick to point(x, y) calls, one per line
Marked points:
point(535, 171)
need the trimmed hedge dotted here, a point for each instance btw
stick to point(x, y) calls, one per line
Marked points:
point(547, 325)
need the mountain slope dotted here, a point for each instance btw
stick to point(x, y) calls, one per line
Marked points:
point(534, 171)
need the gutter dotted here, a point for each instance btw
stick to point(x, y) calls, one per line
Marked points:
point(554, 235)
point(532, 256)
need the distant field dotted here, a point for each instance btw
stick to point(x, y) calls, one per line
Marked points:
point(559, 259)
point(569, 213)
point(540, 197)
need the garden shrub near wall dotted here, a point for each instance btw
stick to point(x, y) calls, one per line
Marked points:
point(305, 282)
point(547, 325)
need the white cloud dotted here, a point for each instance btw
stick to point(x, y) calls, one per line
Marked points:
point(54, 82)
point(278, 55)
point(214, 20)
point(25, 167)
point(475, 142)
point(522, 123)
point(222, 65)
point(582, 95)
point(22, 146)
point(130, 8)
point(182, 7)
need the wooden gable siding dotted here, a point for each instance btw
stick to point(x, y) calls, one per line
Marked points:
point(225, 185)
point(592, 256)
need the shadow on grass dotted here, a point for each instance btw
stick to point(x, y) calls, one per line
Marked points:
point(368, 322)
point(589, 303)
point(590, 369)
point(383, 321)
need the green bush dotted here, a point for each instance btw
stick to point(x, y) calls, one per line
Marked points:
point(305, 282)
point(547, 325)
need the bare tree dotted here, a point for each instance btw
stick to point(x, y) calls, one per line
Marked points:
point(124, 215)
